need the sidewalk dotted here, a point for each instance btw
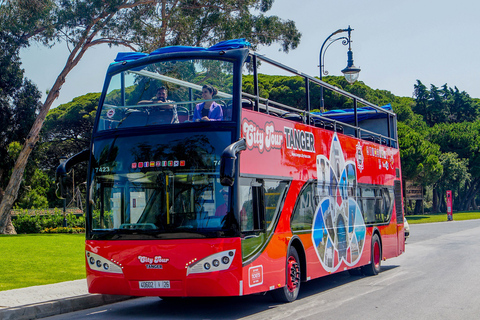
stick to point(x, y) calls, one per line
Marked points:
point(49, 300)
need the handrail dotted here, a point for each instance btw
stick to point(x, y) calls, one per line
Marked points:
point(269, 106)
point(177, 81)
point(320, 82)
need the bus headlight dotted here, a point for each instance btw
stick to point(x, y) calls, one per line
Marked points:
point(99, 263)
point(216, 262)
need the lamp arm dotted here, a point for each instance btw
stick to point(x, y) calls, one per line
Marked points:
point(345, 41)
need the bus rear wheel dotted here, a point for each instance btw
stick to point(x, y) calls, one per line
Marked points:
point(290, 291)
point(373, 268)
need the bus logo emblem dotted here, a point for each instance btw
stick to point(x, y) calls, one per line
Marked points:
point(255, 276)
point(264, 139)
point(359, 157)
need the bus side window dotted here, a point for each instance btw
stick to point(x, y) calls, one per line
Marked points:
point(246, 208)
point(273, 193)
point(368, 197)
point(302, 217)
point(252, 206)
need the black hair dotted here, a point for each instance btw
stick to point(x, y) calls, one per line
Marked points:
point(212, 90)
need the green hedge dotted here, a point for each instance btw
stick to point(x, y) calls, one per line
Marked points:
point(37, 223)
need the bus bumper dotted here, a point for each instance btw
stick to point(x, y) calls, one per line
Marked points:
point(179, 268)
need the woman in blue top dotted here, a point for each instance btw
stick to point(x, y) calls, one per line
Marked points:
point(208, 110)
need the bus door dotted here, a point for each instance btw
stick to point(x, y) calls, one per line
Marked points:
point(397, 189)
point(260, 204)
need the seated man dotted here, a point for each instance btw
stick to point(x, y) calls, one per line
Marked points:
point(162, 111)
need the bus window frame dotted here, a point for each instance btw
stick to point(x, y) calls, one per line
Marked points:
point(236, 56)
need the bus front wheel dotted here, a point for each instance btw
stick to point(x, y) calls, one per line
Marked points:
point(290, 291)
point(373, 268)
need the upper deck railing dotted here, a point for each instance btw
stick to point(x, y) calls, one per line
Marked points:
point(381, 130)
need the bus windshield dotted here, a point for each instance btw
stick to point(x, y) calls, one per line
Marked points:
point(168, 93)
point(161, 183)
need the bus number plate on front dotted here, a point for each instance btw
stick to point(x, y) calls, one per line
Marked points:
point(165, 284)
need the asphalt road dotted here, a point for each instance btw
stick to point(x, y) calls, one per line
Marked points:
point(437, 278)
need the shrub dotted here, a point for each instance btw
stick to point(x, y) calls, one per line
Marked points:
point(25, 223)
point(37, 223)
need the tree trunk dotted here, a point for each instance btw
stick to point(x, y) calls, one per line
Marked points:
point(434, 200)
point(470, 194)
point(85, 41)
point(443, 205)
point(418, 207)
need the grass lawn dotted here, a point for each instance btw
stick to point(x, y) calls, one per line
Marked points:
point(440, 217)
point(37, 259)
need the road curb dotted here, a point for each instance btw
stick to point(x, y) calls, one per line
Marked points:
point(60, 306)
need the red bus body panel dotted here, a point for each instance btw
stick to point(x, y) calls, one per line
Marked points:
point(269, 153)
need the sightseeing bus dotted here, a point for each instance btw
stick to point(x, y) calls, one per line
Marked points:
point(207, 178)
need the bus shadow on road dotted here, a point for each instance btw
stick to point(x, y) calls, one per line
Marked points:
point(229, 307)
point(333, 281)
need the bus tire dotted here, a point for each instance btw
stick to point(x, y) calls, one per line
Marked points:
point(290, 291)
point(373, 268)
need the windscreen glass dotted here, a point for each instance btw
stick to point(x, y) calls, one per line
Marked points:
point(169, 93)
point(162, 184)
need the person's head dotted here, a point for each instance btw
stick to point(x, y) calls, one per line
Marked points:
point(208, 92)
point(224, 193)
point(162, 94)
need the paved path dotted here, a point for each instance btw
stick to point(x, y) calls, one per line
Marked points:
point(48, 300)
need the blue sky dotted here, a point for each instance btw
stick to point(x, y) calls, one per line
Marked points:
point(394, 43)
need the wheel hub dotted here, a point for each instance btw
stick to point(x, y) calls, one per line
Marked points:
point(294, 278)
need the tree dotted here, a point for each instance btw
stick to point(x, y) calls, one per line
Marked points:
point(455, 176)
point(67, 130)
point(445, 105)
point(419, 158)
point(137, 24)
point(19, 102)
point(463, 139)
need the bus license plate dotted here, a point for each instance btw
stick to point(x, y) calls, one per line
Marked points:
point(164, 284)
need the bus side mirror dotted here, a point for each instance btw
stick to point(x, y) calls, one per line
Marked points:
point(60, 190)
point(64, 168)
point(228, 162)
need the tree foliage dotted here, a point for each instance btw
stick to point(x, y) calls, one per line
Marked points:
point(420, 157)
point(19, 100)
point(138, 24)
point(438, 129)
point(445, 105)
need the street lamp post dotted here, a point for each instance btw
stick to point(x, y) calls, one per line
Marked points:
point(351, 72)
point(62, 160)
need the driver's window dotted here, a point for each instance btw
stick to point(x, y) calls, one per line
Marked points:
point(246, 206)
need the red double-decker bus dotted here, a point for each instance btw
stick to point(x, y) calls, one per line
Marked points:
point(201, 183)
